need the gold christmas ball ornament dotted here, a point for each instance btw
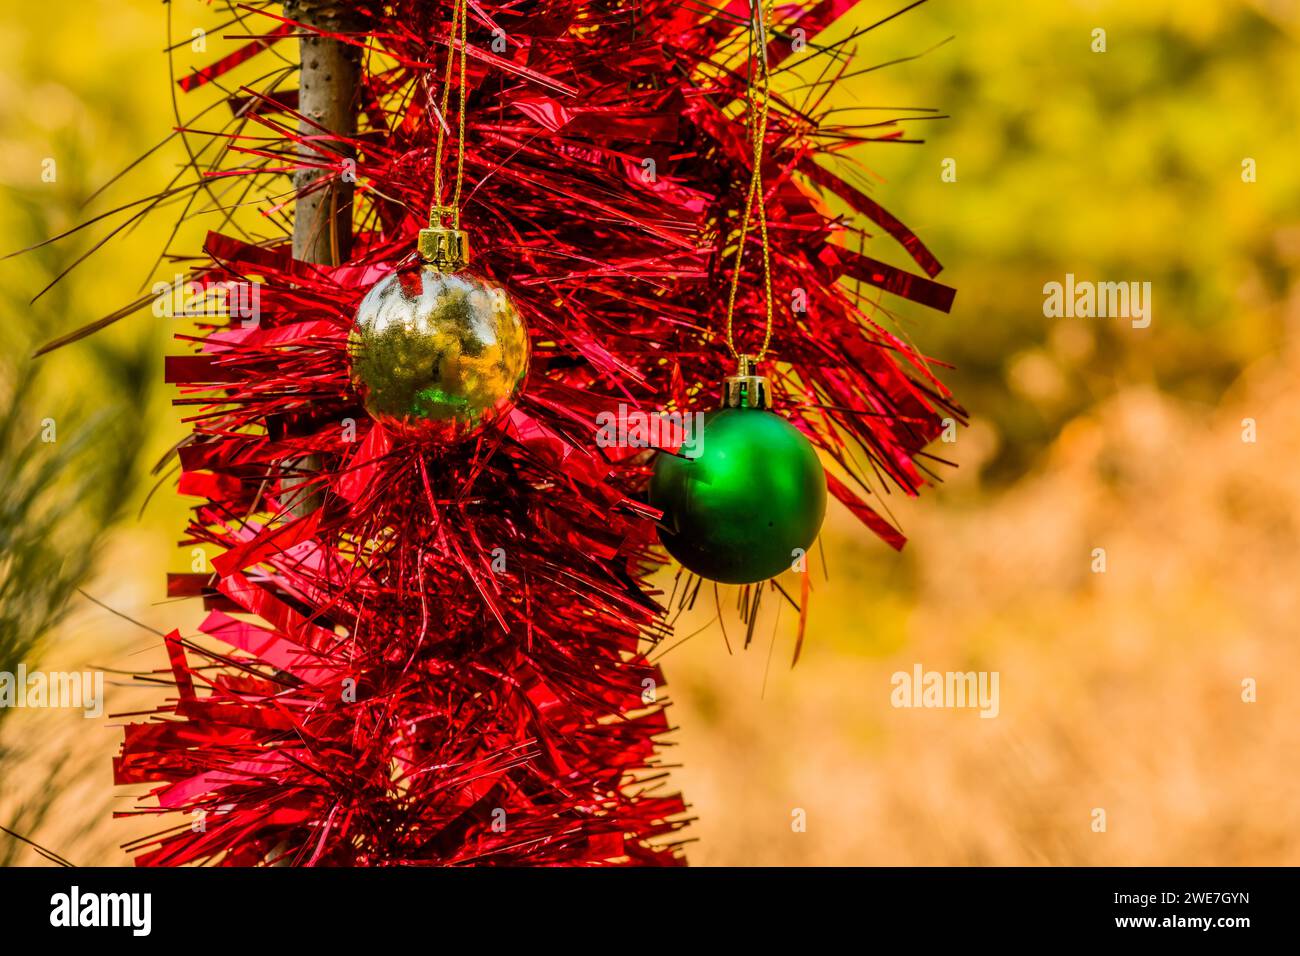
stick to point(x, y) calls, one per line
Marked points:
point(437, 352)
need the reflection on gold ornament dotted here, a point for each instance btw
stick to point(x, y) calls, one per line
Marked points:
point(438, 354)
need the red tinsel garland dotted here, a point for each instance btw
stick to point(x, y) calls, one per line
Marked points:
point(444, 660)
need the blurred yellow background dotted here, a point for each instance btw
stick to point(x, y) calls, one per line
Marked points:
point(1120, 690)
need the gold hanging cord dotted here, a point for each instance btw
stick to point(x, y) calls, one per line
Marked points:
point(446, 247)
point(757, 108)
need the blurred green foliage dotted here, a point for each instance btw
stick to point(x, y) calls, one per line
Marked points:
point(70, 100)
point(60, 494)
point(1116, 165)
point(75, 425)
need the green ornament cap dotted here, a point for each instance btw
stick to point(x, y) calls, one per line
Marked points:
point(746, 389)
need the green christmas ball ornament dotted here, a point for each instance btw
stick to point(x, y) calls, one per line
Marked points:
point(747, 494)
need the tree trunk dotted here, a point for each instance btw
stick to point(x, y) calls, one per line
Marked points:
point(327, 93)
point(322, 219)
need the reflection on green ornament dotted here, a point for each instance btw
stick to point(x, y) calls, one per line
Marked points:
point(744, 500)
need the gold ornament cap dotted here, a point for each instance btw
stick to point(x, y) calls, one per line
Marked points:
point(746, 389)
point(445, 248)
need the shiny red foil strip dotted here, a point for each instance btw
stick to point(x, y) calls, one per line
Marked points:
point(421, 655)
point(227, 63)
